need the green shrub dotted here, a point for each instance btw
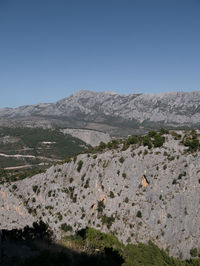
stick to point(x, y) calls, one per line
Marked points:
point(80, 164)
point(126, 200)
point(180, 176)
point(35, 188)
point(175, 135)
point(174, 182)
point(59, 216)
point(139, 214)
point(164, 131)
point(124, 175)
point(132, 140)
point(101, 146)
point(112, 144)
point(14, 187)
point(147, 141)
point(185, 211)
point(87, 183)
point(158, 140)
point(170, 158)
point(169, 215)
point(107, 220)
point(100, 206)
point(82, 177)
point(121, 159)
point(65, 227)
point(112, 195)
point(98, 240)
point(152, 134)
point(33, 200)
point(192, 144)
point(194, 252)
point(148, 255)
point(165, 167)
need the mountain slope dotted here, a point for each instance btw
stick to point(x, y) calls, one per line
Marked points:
point(90, 137)
point(137, 193)
point(111, 112)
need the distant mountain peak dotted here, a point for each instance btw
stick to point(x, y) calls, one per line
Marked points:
point(107, 110)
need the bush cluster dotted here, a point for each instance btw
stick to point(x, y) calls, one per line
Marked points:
point(110, 252)
point(65, 227)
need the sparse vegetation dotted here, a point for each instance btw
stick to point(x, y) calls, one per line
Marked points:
point(174, 182)
point(175, 135)
point(14, 187)
point(194, 252)
point(35, 188)
point(124, 175)
point(107, 220)
point(126, 200)
point(112, 195)
point(169, 215)
point(87, 183)
point(106, 217)
point(164, 167)
point(100, 206)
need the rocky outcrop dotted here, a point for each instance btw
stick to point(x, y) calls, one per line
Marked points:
point(105, 192)
point(144, 182)
point(90, 137)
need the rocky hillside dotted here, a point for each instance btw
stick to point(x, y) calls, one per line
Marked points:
point(110, 112)
point(90, 137)
point(144, 188)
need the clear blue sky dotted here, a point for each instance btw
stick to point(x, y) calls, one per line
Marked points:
point(52, 48)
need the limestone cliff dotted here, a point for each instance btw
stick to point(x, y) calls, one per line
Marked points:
point(139, 194)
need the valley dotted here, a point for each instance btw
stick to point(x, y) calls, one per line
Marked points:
point(34, 149)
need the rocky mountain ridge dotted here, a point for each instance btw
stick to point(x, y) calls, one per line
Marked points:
point(138, 194)
point(110, 112)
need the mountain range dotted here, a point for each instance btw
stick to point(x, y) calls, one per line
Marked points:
point(110, 112)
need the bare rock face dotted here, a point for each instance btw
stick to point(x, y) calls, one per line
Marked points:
point(12, 211)
point(90, 137)
point(107, 110)
point(147, 195)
